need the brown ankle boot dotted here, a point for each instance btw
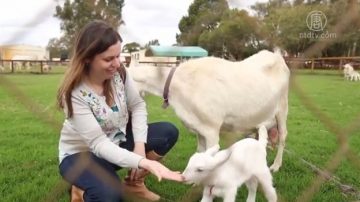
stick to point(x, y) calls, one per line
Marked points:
point(76, 194)
point(152, 155)
point(137, 187)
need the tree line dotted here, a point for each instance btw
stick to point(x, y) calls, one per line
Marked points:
point(293, 25)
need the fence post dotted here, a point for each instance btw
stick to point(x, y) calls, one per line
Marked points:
point(12, 66)
point(340, 64)
point(41, 67)
point(312, 64)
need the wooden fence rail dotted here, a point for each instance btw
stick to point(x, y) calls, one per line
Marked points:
point(324, 62)
point(15, 64)
point(331, 63)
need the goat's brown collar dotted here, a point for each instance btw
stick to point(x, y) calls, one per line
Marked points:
point(166, 88)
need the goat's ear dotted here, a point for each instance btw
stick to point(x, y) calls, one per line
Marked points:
point(213, 150)
point(221, 157)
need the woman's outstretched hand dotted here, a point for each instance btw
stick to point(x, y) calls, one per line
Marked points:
point(160, 171)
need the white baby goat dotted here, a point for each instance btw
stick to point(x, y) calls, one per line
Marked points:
point(223, 172)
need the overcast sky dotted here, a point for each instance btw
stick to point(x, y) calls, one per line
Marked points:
point(32, 22)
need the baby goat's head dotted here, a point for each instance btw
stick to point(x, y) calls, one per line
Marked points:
point(201, 164)
point(348, 67)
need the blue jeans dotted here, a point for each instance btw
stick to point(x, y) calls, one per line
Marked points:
point(98, 178)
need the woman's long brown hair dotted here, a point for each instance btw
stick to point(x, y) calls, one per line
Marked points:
point(94, 38)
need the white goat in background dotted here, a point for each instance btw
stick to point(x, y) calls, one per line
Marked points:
point(211, 95)
point(223, 172)
point(350, 74)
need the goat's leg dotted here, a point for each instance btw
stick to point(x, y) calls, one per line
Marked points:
point(209, 133)
point(230, 194)
point(207, 196)
point(265, 180)
point(201, 143)
point(192, 122)
point(279, 155)
point(212, 138)
point(281, 118)
point(251, 185)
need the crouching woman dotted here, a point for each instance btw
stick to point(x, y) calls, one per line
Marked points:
point(99, 100)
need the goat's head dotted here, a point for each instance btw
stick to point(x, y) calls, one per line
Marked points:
point(348, 67)
point(202, 164)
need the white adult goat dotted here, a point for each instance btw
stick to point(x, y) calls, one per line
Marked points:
point(46, 68)
point(222, 173)
point(211, 94)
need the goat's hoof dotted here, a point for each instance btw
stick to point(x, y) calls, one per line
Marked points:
point(274, 168)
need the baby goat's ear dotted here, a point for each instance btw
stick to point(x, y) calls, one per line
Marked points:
point(220, 158)
point(213, 150)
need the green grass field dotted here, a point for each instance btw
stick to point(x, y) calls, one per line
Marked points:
point(30, 123)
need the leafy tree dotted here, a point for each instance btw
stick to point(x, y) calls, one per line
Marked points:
point(231, 34)
point(262, 9)
point(237, 36)
point(75, 14)
point(202, 15)
point(285, 26)
point(154, 42)
point(347, 42)
point(284, 23)
point(298, 2)
point(316, 1)
point(131, 47)
point(57, 48)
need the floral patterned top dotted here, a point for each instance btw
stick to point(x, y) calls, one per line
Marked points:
point(99, 128)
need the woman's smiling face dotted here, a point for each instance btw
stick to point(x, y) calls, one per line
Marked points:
point(105, 64)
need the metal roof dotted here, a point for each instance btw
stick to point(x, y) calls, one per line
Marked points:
point(176, 51)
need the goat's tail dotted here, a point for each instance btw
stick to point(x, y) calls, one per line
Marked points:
point(263, 135)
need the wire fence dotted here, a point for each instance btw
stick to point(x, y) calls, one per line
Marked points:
point(326, 173)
